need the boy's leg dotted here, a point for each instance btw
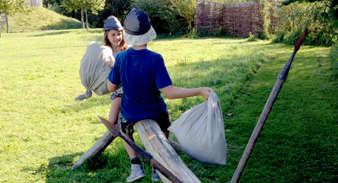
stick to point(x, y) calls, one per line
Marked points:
point(137, 171)
point(113, 117)
point(114, 110)
point(128, 130)
point(131, 153)
point(115, 105)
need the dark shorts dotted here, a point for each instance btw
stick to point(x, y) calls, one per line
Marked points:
point(162, 120)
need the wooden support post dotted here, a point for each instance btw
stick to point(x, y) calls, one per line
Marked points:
point(96, 149)
point(159, 147)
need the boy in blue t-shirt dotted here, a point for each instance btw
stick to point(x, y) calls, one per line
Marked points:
point(143, 76)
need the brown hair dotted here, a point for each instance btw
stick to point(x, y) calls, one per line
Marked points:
point(122, 46)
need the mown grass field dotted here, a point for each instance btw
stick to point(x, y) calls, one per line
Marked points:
point(44, 131)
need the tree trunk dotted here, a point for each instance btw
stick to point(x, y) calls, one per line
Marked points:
point(82, 19)
point(159, 147)
point(7, 24)
point(86, 15)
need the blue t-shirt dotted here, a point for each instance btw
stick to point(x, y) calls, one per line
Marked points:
point(142, 73)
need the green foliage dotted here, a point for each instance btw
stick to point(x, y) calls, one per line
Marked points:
point(83, 6)
point(76, 5)
point(267, 12)
point(160, 14)
point(94, 5)
point(251, 37)
point(72, 5)
point(49, 3)
point(192, 34)
point(10, 7)
point(316, 16)
point(170, 16)
point(118, 8)
point(185, 9)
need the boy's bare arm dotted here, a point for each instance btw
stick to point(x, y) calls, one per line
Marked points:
point(172, 92)
point(111, 87)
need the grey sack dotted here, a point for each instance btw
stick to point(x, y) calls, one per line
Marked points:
point(95, 66)
point(200, 132)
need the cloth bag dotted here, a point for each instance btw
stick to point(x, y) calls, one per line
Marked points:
point(200, 132)
point(95, 67)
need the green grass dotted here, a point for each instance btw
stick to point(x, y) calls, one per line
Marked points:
point(43, 130)
point(35, 19)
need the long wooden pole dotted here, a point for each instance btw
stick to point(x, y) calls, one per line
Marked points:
point(265, 113)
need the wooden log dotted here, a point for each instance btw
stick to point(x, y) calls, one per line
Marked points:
point(96, 149)
point(159, 147)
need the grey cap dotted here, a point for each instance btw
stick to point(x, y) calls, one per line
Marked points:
point(112, 23)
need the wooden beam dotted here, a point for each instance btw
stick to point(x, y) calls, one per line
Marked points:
point(159, 147)
point(96, 149)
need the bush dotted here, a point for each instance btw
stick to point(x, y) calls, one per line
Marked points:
point(169, 16)
point(118, 8)
point(316, 16)
point(252, 37)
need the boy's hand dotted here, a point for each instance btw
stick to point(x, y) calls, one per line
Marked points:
point(205, 92)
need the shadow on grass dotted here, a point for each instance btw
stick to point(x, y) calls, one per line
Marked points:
point(77, 106)
point(108, 167)
point(63, 24)
point(47, 33)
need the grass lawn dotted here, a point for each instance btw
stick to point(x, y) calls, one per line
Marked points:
point(44, 131)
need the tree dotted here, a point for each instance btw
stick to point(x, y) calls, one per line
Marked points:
point(118, 8)
point(83, 6)
point(318, 17)
point(186, 9)
point(51, 3)
point(169, 16)
point(10, 7)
